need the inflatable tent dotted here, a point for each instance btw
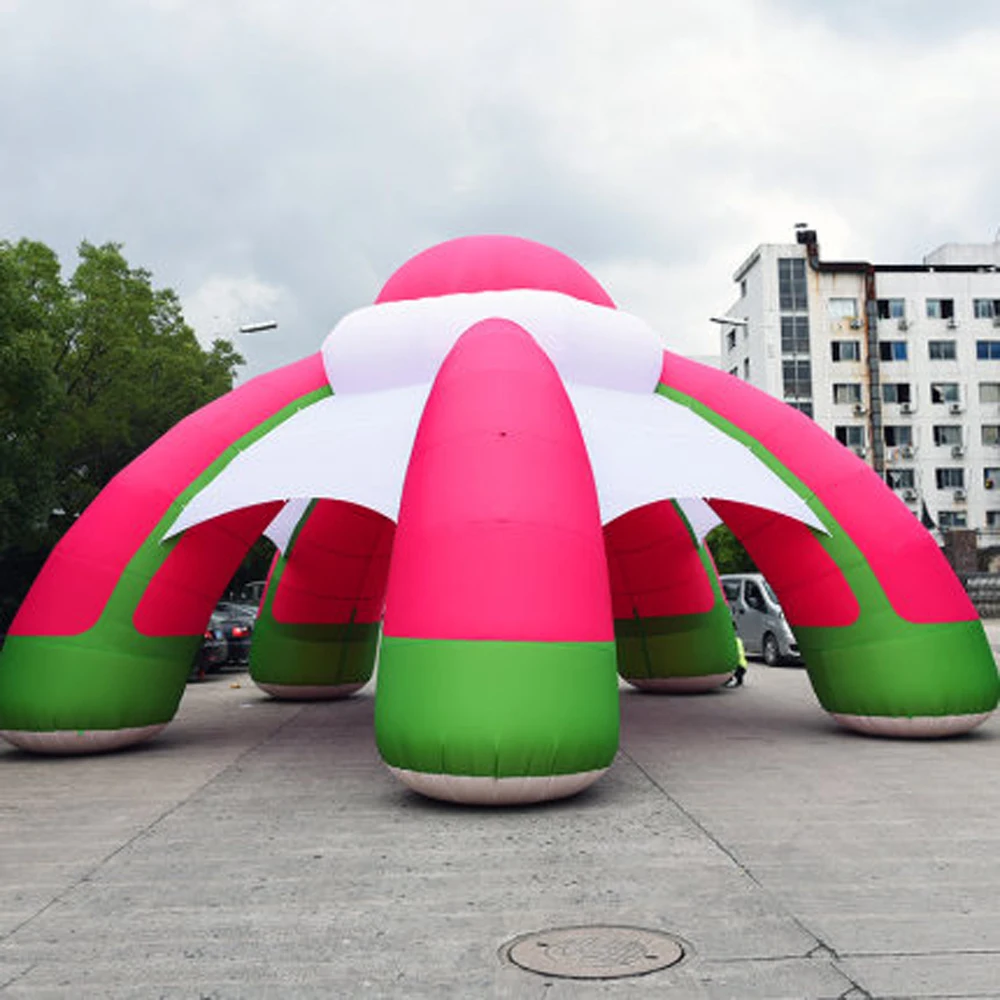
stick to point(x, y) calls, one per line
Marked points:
point(497, 484)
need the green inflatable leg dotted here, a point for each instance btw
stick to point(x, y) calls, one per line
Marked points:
point(673, 629)
point(317, 631)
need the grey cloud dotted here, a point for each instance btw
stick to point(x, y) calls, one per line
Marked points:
point(317, 149)
point(927, 22)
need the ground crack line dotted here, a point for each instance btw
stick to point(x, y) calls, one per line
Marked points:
point(694, 821)
point(18, 976)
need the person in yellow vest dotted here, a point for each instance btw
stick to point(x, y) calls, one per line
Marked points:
point(741, 667)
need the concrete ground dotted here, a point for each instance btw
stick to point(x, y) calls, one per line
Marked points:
point(260, 849)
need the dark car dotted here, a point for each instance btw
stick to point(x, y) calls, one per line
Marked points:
point(237, 621)
point(214, 649)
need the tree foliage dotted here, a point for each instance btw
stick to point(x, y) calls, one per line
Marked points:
point(728, 552)
point(93, 370)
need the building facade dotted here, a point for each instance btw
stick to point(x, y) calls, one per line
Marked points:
point(900, 362)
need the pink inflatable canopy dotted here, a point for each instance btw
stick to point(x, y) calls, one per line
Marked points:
point(496, 484)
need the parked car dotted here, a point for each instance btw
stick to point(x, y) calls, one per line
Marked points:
point(214, 649)
point(758, 619)
point(237, 621)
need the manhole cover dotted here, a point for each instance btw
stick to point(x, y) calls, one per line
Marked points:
point(595, 952)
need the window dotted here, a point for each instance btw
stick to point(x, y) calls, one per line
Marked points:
point(944, 392)
point(731, 588)
point(746, 369)
point(895, 392)
point(900, 479)
point(941, 350)
point(753, 596)
point(792, 284)
point(991, 434)
point(985, 308)
point(993, 519)
point(941, 308)
point(945, 434)
point(843, 308)
point(952, 519)
point(991, 479)
point(794, 334)
point(897, 435)
point(892, 350)
point(949, 479)
point(851, 437)
point(802, 406)
point(891, 308)
point(847, 392)
point(797, 379)
point(731, 340)
point(989, 392)
point(988, 350)
point(845, 350)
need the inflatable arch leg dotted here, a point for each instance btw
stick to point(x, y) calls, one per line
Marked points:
point(673, 629)
point(892, 643)
point(99, 652)
point(317, 630)
point(496, 679)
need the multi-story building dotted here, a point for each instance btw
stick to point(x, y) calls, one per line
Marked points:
point(900, 362)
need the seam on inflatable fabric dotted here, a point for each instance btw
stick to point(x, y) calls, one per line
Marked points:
point(236, 448)
point(686, 523)
point(154, 542)
point(294, 537)
point(703, 555)
point(837, 536)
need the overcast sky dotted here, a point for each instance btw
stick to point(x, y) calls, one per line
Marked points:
point(281, 159)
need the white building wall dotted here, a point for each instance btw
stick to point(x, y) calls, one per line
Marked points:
point(826, 328)
point(759, 344)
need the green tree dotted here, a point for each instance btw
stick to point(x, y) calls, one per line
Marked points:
point(92, 371)
point(728, 552)
point(33, 315)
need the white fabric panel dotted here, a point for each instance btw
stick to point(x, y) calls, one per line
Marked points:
point(485, 791)
point(917, 726)
point(281, 529)
point(646, 448)
point(353, 448)
point(403, 343)
point(700, 516)
point(67, 741)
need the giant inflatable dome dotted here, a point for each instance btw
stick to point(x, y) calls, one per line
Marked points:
point(496, 484)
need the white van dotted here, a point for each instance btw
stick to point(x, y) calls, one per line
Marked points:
point(758, 618)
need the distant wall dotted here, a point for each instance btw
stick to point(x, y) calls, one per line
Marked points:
point(984, 591)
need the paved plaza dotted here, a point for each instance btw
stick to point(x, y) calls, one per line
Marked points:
point(260, 849)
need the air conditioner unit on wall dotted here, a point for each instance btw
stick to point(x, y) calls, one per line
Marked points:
point(959, 494)
point(955, 407)
point(856, 324)
point(910, 496)
point(859, 409)
point(906, 451)
point(907, 408)
point(860, 450)
point(903, 324)
point(952, 323)
point(996, 320)
point(957, 451)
